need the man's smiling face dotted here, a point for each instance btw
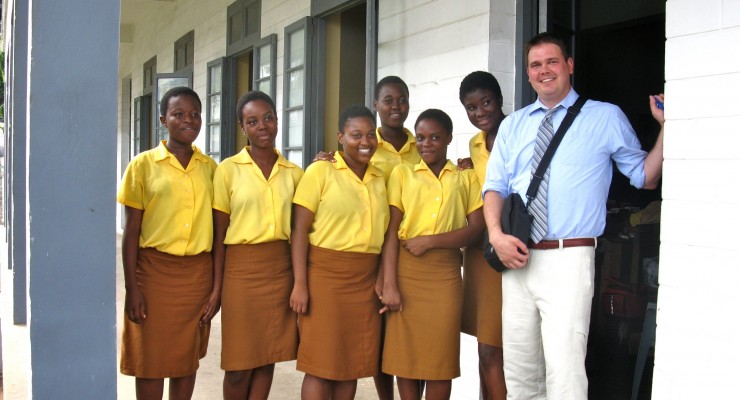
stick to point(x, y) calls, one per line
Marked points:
point(549, 73)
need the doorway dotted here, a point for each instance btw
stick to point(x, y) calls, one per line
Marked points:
point(243, 64)
point(344, 66)
point(619, 54)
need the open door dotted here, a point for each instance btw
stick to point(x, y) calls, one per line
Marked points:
point(619, 54)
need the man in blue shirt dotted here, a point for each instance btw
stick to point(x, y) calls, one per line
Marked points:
point(548, 288)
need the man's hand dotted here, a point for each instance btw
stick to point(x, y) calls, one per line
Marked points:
point(655, 110)
point(510, 250)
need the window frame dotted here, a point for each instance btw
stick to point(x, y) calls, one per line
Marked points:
point(309, 144)
point(142, 124)
point(187, 43)
point(150, 67)
point(246, 36)
point(216, 154)
point(269, 41)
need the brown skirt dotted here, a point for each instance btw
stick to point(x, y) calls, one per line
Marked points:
point(482, 299)
point(169, 342)
point(340, 333)
point(257, 325)
point(423, 340)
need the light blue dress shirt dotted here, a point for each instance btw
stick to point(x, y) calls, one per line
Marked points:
point(581, 169)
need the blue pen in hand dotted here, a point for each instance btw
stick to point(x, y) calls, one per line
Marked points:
point(658, 103)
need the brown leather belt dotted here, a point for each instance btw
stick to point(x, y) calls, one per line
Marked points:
point(555, 244)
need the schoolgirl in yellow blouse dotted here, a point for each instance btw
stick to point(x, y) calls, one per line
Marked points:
point(172, 289)
point(435, 210)
point(253, 193)
point(341, 214)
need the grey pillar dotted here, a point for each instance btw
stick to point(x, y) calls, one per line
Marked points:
point(71, 180)
point(16, 162)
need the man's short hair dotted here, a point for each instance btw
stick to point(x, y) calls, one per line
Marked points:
point(546, 37)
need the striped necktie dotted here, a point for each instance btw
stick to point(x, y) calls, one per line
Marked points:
point(538, 208)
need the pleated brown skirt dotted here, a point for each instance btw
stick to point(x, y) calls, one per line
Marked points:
point(482, 298)
point(340, 333)
point(257, 325)
point(169, 342)
point(423, 340)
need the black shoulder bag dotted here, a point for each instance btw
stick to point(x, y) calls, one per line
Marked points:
point(515, 220)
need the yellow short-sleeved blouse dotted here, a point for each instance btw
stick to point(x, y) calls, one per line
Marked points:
point(432, 205)
point(259, 209)
point(176, 201)
point(480, 155)
point(349, 214)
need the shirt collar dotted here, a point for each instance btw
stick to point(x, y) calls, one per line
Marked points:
point(161, 153)
point(568, 101)
point(341, 164)
point(410, 140)
point(422, 166)
point(479, 139)
point(243, 157)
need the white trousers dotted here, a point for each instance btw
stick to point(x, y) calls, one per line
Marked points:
point(546, 313)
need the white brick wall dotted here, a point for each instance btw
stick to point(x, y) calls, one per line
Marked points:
point(432, 45)
point(696, 347)
point(502, 47)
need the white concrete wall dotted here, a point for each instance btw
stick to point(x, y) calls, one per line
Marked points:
point(502, 47)
point(432, 45)
point(697, 349)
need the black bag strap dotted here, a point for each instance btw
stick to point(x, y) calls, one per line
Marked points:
point(554, 143)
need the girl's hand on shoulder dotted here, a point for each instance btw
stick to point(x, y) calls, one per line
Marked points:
point(214, 304)
point(135, 306)
point(391, 299)
point(418, 245)
point(324, 156)
point(464, 163)
point(299, 299)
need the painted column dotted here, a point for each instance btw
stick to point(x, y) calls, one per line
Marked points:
point(16, 162)
point(70, 191)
